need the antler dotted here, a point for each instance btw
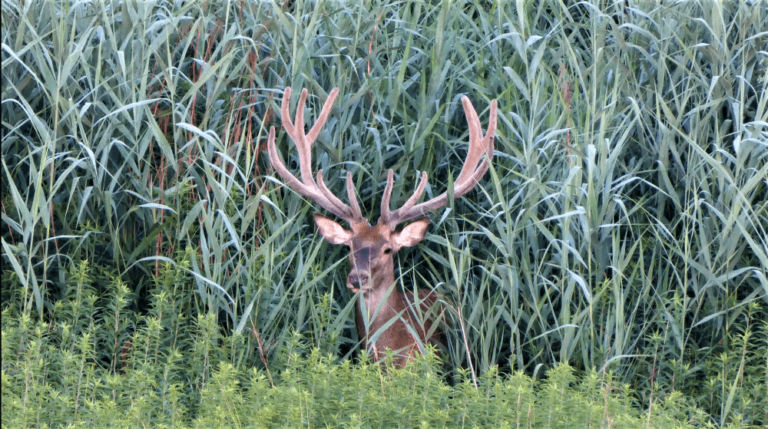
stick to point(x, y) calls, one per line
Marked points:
point(315, 191)
point(470, 175)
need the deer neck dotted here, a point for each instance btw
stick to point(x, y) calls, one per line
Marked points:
point(385, 298)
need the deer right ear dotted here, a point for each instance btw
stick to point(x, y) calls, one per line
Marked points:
point(331, 231)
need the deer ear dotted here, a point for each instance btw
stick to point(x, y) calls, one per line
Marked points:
point(331, 231)
point(412, 234)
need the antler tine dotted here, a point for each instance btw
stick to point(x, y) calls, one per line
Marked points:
point(342, 210)
point(352, 197)
point(303, 144)
point(307, 185)
point(385, 213)
point(285, 112)
point(476, 148)
point(389, 217)
point(470, 174)
point(296, 133)
point(315, 131)
point(417, 194)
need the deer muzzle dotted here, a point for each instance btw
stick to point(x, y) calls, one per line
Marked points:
point(358, 280)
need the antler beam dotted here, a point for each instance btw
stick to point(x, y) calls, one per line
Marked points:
point(470, 175)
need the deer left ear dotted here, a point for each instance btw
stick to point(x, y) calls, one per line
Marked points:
point(412, 234)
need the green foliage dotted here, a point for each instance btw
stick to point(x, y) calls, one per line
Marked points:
point(622, 229)
point(48, 381)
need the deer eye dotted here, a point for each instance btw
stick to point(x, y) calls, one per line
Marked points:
point(387, 251)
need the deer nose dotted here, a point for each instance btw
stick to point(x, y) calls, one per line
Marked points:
point(357, 280)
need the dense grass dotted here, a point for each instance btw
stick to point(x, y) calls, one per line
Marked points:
point(622, 228)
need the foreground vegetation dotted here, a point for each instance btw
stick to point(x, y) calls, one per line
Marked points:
point(150, 259)
point(53, 377)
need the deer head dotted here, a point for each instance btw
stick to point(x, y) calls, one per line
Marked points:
point(371, 248)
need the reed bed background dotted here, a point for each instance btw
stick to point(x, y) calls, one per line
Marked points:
point(621, 232)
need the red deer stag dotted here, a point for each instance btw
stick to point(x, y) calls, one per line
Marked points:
point(371, 248)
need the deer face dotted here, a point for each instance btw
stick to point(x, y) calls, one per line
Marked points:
point(371, 249)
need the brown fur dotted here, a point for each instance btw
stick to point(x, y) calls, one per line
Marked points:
point(372, 274)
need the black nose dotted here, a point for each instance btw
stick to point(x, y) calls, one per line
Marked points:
point(357, 280)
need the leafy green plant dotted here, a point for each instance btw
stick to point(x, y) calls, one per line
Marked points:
point(622, 228)
point(46, 381)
